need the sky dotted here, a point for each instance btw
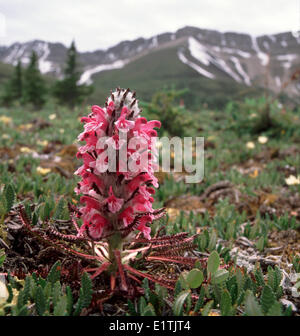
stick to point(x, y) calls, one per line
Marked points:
point(99, 24)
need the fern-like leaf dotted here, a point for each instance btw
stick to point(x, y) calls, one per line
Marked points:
point(267, 298)
point(40, 301)
point(86, 290)
point(9, 197)
point(275, 310)
point(54, 274)
point(69, 301)
point(225, 303)
point(61, 307)
point(252, 308)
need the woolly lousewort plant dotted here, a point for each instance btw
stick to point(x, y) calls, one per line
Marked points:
point(117, 176)
point(117, 187)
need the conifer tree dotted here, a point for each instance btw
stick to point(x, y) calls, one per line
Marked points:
point(34, 85)
point(13, 88)
point(67, 91)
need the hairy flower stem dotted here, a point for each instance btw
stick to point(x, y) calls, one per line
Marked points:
point(115, 242)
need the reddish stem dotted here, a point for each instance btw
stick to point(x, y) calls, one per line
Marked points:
point(121, 271)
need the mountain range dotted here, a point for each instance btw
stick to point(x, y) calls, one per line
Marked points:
point(211, 64)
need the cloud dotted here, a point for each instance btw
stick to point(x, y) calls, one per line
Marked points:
point(97, 24)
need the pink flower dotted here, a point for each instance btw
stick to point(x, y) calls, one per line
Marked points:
point(90, 202)
point(114, 203)
point(143, 228)
point(142, 204)
point(145, 129)
point(122, 124)
point(97, 224)
point(127, 216)
point(110, 108)
point(86, 148)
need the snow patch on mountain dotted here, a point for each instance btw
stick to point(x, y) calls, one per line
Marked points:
point(272, 38)
point(198, 51)
point(15, 53)
point(154, 42)
point(196, 67)
point(237, 51)
point(221, 64)
point(287, 60)
point(216, 48)
point(111, 56)
point(264, 58)
point(44, 65)
point(23, 52)
point(288, 57)
point(240, 70)
point(201, 53)
point(223, 42)
point(87, 74)
point(266, 45)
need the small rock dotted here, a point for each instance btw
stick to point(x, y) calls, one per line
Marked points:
point(288, 303)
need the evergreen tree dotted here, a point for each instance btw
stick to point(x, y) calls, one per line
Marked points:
point(67, 91)
point(13, 88)
point(34, 85)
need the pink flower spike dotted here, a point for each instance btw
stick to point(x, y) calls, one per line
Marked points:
point(118, 200)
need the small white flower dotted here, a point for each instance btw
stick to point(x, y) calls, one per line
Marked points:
point(263, 139)
point(5, 120)
point(292, 180)
point(43, 171)
point(52, 116)
point(26, 150)
point(250, 145)
point(43, 143)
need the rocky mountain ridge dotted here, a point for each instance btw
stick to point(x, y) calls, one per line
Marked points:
point(267, 60)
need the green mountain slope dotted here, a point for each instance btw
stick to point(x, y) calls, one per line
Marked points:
point(161, 69)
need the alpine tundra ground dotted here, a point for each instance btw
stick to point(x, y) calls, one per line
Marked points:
point(246, 212)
